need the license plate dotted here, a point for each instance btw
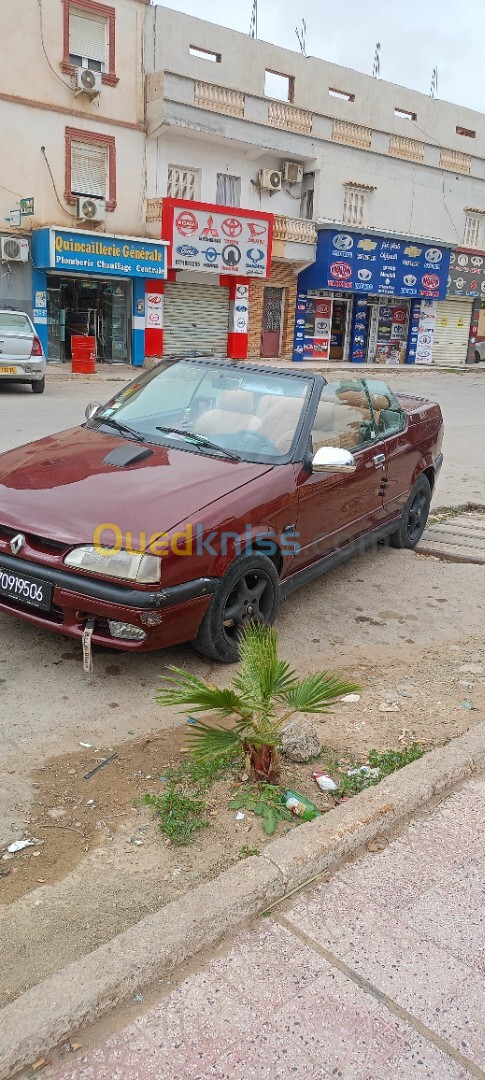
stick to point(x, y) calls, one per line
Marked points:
point(25, 588)
point(8, 370)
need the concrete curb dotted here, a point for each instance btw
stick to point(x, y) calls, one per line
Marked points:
point(125, 373)
point(151, 949)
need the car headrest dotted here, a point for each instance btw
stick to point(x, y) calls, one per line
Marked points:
point(240, 401)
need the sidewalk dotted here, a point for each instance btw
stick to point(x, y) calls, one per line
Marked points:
point(126, 372)
point(378, 973)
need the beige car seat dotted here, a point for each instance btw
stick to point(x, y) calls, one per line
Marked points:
point(235, 413)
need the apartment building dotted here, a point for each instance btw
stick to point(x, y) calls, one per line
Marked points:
point(73, 243)
point(390, 183)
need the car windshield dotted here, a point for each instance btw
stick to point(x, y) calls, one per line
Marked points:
point(14, 322)
point(202, 407)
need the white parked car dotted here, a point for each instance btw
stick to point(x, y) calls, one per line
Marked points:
point(21, 355)
point(479, 351)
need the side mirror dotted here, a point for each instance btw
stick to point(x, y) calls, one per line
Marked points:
point(92, 409)
point(333, 459)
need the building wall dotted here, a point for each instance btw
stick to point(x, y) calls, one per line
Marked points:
point(37, 104)
point(285, 275)
point(420, 198)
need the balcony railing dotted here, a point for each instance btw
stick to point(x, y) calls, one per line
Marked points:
point(219, 98)
point(290, 117)
point(410, 149)
point(297, 229)
point(154, 210)
point(351, 134)
point(455, 161)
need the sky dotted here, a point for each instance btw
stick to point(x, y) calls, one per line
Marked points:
point(415, 36)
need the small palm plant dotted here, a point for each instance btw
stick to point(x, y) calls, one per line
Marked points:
point(265, 694)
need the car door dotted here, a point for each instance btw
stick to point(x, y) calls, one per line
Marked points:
point(335, 508)
point(393, 440)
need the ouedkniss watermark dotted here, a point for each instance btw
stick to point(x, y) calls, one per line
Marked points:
point(109, 539)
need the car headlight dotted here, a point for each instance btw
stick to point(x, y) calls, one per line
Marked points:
point(144, 569)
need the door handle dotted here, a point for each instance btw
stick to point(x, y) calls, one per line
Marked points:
point(379, 460)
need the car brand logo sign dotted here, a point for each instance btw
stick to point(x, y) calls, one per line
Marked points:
point(433, 255)
point(17, 542)
point(341, 271)
point(186, 223)
point(232, 227)
point(343, 242)
point(187, 251)
point(431, 281)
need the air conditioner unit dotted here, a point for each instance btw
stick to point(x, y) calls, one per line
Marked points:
point(89, 209)
point(269, 180)
point(292, 172)
point(13, 250)
point(87, 82)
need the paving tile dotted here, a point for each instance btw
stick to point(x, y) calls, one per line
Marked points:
point(459, 1019)
point(266, 1057)
point(454, 920)
point(420, 1060)
point(270, 966)
point(344, 1030)
point(127, 1056)
point(196, 1024)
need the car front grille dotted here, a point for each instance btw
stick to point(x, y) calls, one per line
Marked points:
point(42, 544)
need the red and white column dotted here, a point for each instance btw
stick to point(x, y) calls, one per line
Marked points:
point(154, 290)
point(237, 338)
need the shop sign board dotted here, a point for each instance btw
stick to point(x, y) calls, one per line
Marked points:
point(73, 250)
point(427, 326)
point(380, 265)
point(467, 274)
point(217, 239)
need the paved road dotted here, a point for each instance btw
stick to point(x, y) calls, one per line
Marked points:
point(24, 417)
point(376, 974)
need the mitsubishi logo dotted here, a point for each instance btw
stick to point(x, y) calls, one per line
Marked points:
point(17, 542)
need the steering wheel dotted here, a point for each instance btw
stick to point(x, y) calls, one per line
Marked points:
point(262, 440)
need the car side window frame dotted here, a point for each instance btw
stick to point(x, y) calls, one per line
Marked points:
point(359, 386)
point(380, 435)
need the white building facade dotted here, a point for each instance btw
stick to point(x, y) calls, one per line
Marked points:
point(240, 123)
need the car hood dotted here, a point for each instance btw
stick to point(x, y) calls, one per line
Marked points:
point(62, 488)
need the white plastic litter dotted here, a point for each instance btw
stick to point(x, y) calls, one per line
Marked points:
point(239, 816)
point(350, 699)
point(19, 845)
point(364, 770)
point(325, 781)
point(86, 745)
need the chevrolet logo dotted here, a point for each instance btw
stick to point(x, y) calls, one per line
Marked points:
point(17, 542)
point(367, 245)
point(413, 252)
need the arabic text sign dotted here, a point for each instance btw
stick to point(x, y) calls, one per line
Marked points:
point(379, 265)
point(219, 243)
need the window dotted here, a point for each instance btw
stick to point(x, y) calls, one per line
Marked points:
point(307, 196)
point(89, 38)
point(405, 114)
point(473, 231)
point(342, 94)
point(228, 190)
point(183, 182)
point(344, 417)
point(90, 166)
point(279, 86)
point(89, 170)
point(467, 132)
point(355, 200)
point(205, 54)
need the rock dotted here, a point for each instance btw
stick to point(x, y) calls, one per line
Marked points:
point(350, 699)
point(300, 740)
point(403, 692)
point(389, 707)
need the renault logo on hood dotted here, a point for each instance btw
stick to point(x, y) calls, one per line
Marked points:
point(17, 542)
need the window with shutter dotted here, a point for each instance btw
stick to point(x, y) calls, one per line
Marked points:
point(354, 206)
point(88, 40)
point(183, 183)
point(228, 190)
point(473, 231)
point(89, 170)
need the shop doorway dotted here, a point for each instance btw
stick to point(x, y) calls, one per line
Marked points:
point(92, 307)
point(272, 323)
point(340, 329)
point(388, 331)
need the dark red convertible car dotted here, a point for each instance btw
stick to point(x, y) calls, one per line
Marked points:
point(202, 494)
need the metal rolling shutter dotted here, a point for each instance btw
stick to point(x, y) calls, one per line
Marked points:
point(89, 170)
point(450, 344)
point(87, 36)
point(196, 317)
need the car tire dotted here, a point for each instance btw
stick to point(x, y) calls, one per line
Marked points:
point(248, 591)
point(477, 356)
point(415, 515)
point(38, 386)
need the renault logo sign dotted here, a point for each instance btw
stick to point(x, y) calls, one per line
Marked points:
point(17, 542)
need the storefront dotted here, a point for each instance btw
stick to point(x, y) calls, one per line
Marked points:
point(457, 316)
point(215, 254)
point(367, 297)
point(107, 287)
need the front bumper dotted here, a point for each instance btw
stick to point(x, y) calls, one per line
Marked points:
point(167, 616)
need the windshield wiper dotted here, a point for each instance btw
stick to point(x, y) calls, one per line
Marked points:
point(200, 440)
point(123, 428)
